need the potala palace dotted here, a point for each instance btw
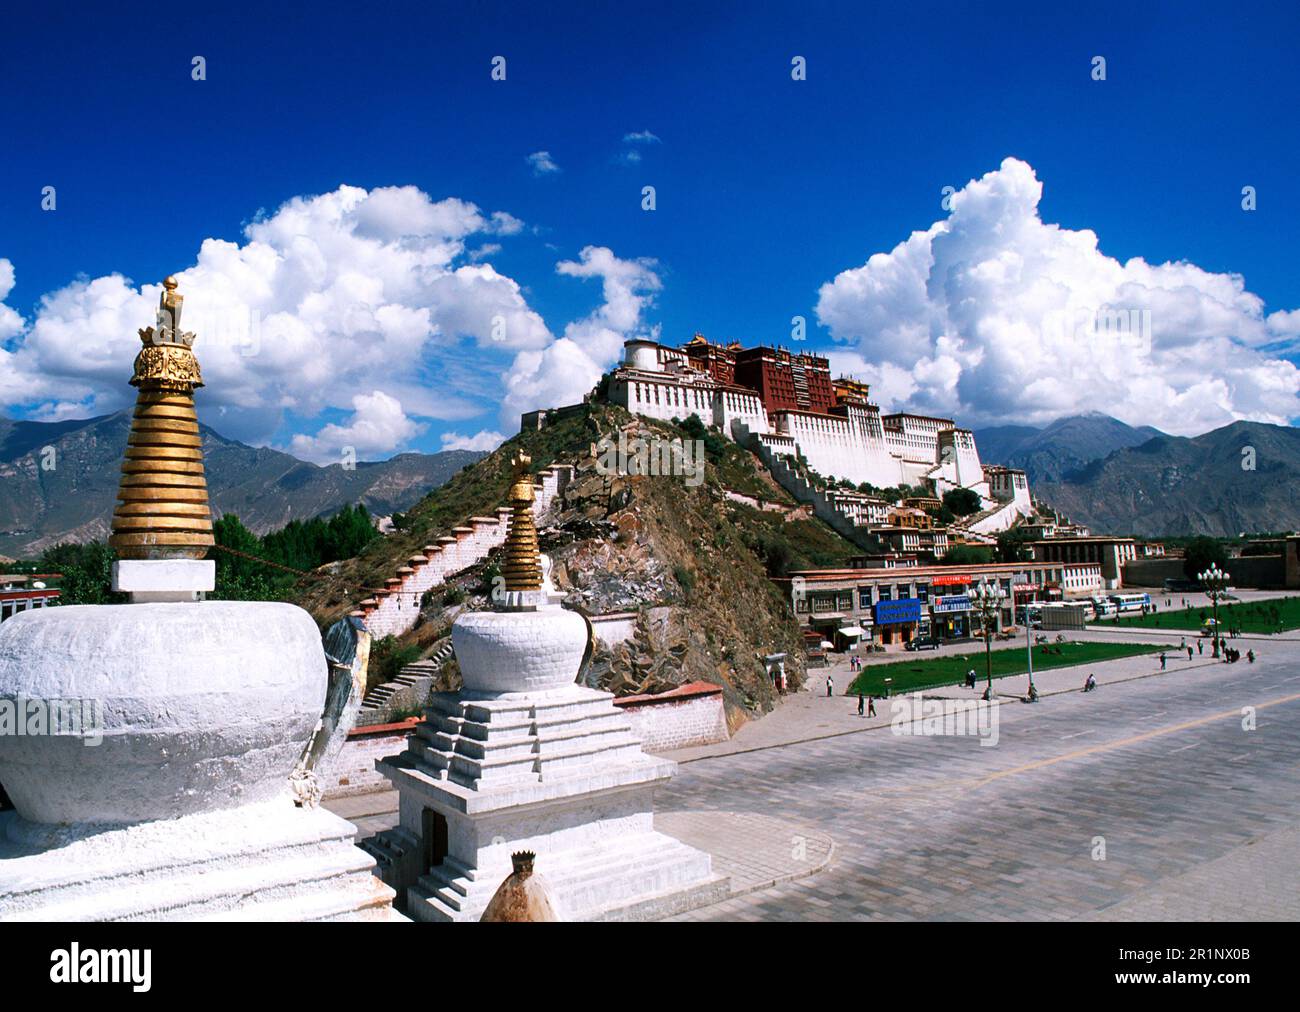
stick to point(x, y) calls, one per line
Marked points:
point(785, 406)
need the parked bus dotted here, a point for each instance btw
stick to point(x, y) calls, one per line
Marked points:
point(1126, 603)
point(1103, 608)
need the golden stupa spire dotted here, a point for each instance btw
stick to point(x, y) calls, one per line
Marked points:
point(522, 568)
point(163, 510)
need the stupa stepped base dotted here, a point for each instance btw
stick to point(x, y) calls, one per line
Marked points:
point(559, 773)
point(263, 862)
point(640, 877)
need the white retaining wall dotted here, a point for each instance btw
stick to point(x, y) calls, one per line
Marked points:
point(393, 609)
point(688, 715)
point(353, 769)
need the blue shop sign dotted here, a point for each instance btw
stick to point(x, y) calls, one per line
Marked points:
point(907, 609)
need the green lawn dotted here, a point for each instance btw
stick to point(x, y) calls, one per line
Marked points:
point(1274, 615)
point(950, 670)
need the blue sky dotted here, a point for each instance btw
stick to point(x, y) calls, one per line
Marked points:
point(767, 188)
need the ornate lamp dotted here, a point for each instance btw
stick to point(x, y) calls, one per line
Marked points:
point(988, 602)
point(1215, 581)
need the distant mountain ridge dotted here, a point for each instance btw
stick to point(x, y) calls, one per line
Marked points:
point(1065, 446)
point(73, 501)
point(1243, 477)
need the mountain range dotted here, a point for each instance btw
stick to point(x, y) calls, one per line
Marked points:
point(72, 500)
point(1095, 469)
point(1064, 446)
point(1241, 478)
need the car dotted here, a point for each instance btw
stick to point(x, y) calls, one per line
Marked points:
point(920, 644)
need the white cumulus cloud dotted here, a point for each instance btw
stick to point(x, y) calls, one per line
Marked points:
point(329, 302)
point(569, 367)
point(378, 426)
point(486, 440)
point(994, 315)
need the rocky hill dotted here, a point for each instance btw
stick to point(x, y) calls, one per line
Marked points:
point(73, 500)
point(1242, 477)
point(691, 560)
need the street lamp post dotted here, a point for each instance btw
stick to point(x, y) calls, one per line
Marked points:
point(1215, 581)
point(988, 602)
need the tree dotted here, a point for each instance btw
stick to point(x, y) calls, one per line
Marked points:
point(967, 555)
point(239, 578)
point(1012, 545)
point(1200, 553)
point(87, 572)
point(962, 501)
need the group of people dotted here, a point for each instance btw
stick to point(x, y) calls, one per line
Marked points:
point(855, 663)
point(1231, 655)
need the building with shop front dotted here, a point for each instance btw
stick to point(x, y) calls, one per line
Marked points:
point(890, 607)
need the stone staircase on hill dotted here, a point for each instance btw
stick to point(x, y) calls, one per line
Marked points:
point(409, 689)
point(982, 525)
point(802, 490)
point(392, 609)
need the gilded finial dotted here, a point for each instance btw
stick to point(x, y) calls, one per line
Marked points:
point(163, 510)
point(522, 568)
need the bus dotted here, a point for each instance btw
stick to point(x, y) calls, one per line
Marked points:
point(1103, 608)
point(1126, 603)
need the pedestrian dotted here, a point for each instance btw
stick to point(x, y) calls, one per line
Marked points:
point(1200, 647)
point(871, 706)
point(1189, 653)
point(862, 705)
point(830, 687)
point(1162, 660)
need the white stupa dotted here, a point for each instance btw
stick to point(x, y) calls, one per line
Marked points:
point(524, 759)
point(150, 746)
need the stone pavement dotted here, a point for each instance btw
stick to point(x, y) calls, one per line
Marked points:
point(1197, 816)
point(810, 715)
point(1257, 882)
point(756, 851)
point(1146, 799)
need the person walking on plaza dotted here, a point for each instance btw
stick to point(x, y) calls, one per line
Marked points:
point(1189, 653)
point(1162, 660)
point(1200, 647)
point(862, 705)
point(830, 686)
point(871, 706)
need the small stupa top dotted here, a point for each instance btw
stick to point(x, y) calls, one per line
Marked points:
point(163, 510)
point(522, 568)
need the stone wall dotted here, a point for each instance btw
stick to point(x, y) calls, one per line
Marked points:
point(690, 714)
point(392, 609)
point(353, 769)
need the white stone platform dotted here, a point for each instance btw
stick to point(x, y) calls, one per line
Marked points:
point(559, 773)
point(269, 861)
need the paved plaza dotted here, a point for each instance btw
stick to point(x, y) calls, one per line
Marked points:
point(1197, 816)
point(1146, 799)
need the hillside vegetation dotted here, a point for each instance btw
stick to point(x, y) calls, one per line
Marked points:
point(688, 559)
